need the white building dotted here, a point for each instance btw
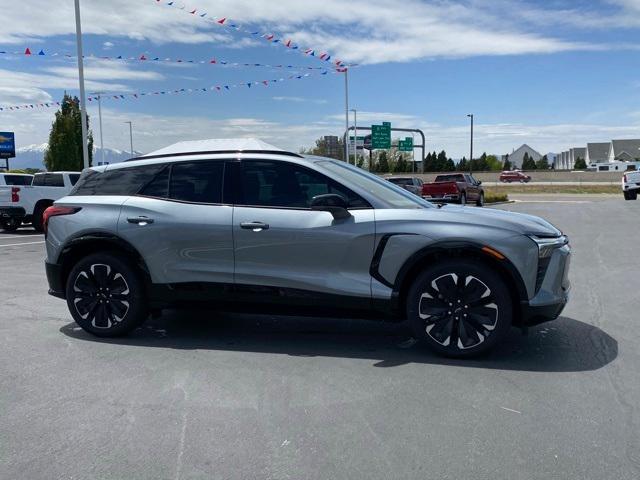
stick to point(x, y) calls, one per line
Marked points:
point(624, 150)
point(597, 152)
point(517, 156)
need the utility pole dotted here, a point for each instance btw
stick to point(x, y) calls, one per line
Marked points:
point(470, 115)
point(355, 136)
point(346, 113)
point(130, 135)
point(99, 94)
point(83, 98)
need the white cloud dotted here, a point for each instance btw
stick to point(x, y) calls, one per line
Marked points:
point(108, 45)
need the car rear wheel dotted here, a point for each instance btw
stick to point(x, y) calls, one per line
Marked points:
point(463, 198)
point(459, 308)
point(10, 225)
point(105, 295)
point(37, 218)
point(630, 195)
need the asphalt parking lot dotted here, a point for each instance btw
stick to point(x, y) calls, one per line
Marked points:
point(201, 395)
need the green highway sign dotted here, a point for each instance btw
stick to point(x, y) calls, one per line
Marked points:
point(406, 145)
point(381, 136)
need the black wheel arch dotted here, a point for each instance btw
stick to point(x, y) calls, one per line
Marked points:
point(455, 250)
point(89, 243)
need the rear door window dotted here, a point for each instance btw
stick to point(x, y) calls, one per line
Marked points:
point(17, 179)
point(48, 180)
point(197, 182)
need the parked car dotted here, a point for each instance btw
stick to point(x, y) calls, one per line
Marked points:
point(510, 176)
point(631, 185)
point(274, 231)
point(411, 184)
point(26, 203)
point(459, 188)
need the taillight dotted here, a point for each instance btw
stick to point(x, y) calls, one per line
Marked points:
point(15, 197)
point(56, 211)
point(624, 178)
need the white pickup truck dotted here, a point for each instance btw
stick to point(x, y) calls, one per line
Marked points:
point(25, 203)
point(631, 185)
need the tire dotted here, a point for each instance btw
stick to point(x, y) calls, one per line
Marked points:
point(10, 225)
point(450, 332)
point(480, 201)
point(463, 198)
point(36, 221)
point(91, 286)
point(630, 195)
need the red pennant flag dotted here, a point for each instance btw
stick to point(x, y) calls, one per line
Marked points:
point(27, 51)
point(266, 82)
point(288, 43)
point(142, 57)
point(192, 12)
point(269, 37)
point(213, 60)
point(222, 20)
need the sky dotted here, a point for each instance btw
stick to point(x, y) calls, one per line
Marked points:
point(550, 73)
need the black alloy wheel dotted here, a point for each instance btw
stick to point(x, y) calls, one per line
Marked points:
point(105, 295)
point(459, 308)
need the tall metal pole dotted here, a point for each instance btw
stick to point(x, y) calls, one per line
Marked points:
point(83, 98)
point(355, 136)
point(100, 120)
point(130, 135)
point(346, 113)
point(471, 146)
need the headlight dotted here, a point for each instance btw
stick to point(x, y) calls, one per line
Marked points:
point(546, 246)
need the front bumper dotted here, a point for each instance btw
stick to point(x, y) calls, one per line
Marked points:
point(12, 212)
point(55, 279)
point(552, 294)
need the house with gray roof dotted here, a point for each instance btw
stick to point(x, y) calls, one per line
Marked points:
point(624, 150)
point(597, 152)
point(517, 156)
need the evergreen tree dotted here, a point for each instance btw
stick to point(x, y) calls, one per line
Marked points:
point(580, 164)
point(428, 163)
point(65, 140)
point(463, 165)
point(441, 162)
point(543, 163)
point(528, 163)
point(450, 166)
point(507, 163)
point(383, 162)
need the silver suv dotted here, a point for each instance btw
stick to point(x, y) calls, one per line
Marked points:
point(273, 231)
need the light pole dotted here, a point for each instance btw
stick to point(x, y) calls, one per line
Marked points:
point(470, 115)
point(130, 135)
point(355, 136)
point(99, 94)
point(346, 113)
point(83, 98)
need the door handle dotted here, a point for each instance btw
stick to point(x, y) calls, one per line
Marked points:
point(142, 221)
point(255, 226)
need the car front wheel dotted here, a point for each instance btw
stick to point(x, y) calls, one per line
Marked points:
point(459, 308)
point(480, 201)
point(105, 295)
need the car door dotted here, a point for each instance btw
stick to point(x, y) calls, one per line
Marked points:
point(280, 242)
point(473, 191)
point(180, 226)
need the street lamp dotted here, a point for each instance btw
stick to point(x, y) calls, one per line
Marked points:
point(470, 115)
point(83, 97)
point(130, 135)
point(346, 113)
point(355, 136)
point(99, 94)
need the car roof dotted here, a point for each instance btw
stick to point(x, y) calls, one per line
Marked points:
point(22, 174)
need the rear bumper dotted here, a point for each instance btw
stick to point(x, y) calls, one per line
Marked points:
point(55, 280)
point(12, 212)
point(445, 198)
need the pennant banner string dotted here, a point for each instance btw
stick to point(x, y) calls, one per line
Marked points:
point(215, 88)
point(146, 57)
point(269, 37)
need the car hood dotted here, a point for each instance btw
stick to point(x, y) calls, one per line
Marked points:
point(515, 222)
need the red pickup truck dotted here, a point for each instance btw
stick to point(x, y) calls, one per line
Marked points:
point(459, 188)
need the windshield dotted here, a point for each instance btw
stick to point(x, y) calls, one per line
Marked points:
point(386, 191)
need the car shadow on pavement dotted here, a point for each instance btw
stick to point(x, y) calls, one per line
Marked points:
point(24, 232)
point(564, 345)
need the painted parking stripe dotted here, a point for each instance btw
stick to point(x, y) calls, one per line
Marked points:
point(24, 243)
point(26, 237)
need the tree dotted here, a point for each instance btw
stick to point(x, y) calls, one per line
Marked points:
point(463, 165)
point(450, 166)
point(428, 163)
point(543, 163)
point(441, 162)
point(65, 140)
point(528, 163)
point(580, 164)
point(322, 149)
point(493, 163)
point(383, 162)
point(507, 163)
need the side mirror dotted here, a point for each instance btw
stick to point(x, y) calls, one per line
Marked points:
point(335, 204)
point(478, 182)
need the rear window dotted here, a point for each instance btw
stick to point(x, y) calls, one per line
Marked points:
point(48, 180)
point(450, 178)
point(17, 179)
point(120, 181)
point(401, 181)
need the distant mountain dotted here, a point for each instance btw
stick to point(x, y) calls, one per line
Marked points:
point(32, 156)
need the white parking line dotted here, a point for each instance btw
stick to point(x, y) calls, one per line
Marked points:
point(15, 244)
